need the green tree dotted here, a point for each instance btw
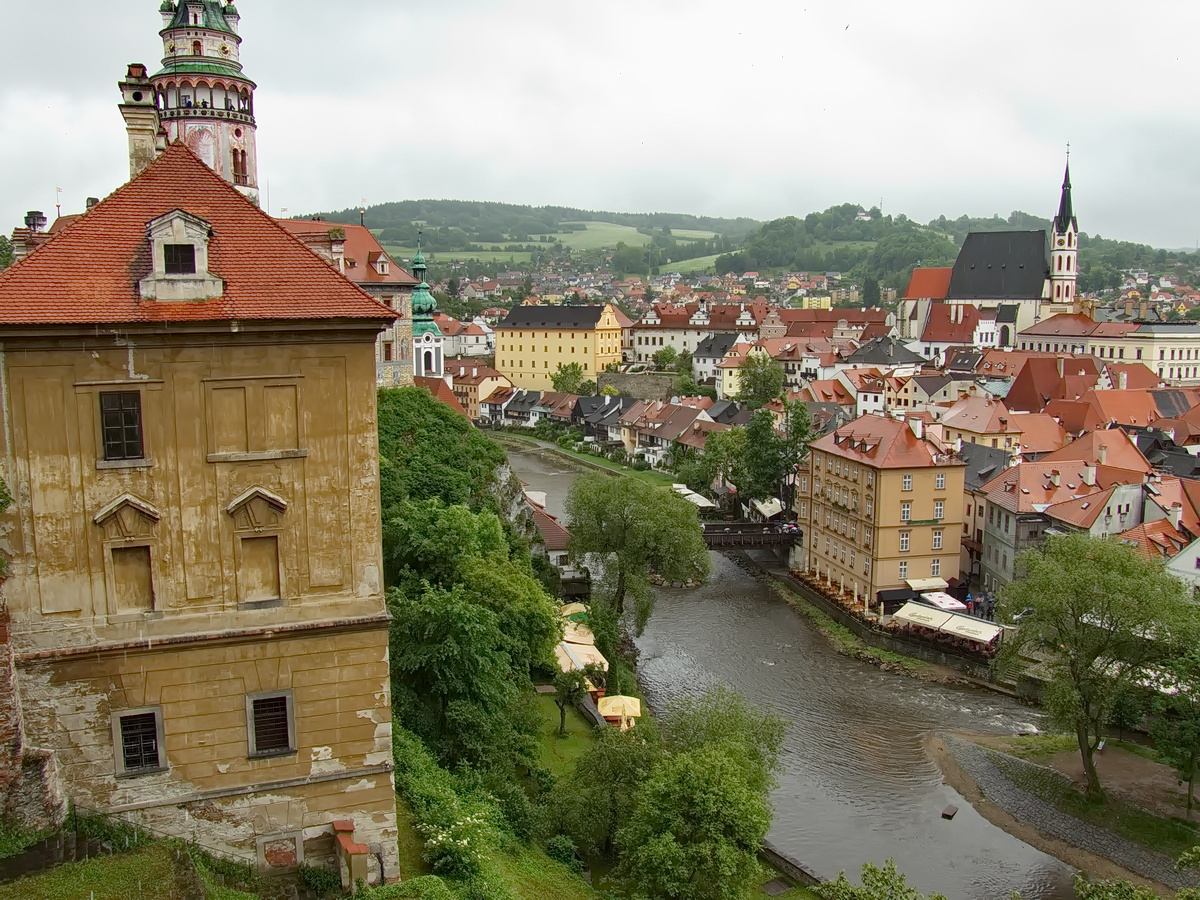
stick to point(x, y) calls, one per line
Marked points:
point(568, 378)
point(598, 798)
point(760, 379)
point(1176, 730)
point(586, 388)
point(570, 688)
point(697, 829)
point(683, 364)
point(870, 291)
point(634, 529)
point(6, 252)
point(666, 357)
point(725, 456)
point(878, 883)
point(771, 454)
point(1106, 614)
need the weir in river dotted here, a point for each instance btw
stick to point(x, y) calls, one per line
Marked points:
point(857, 785)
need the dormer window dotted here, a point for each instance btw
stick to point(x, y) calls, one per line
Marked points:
point(179, 245)
point(179, 259)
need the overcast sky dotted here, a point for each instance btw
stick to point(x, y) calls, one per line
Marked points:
point(761, 108)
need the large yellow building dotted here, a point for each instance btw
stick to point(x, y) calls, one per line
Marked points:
point(533, 341)
point(880, 506)
point(196, 590)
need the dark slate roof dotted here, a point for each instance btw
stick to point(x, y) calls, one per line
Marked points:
point(884, 351)
point(715, 346)
point(826, 417)
point(1171, 403)
point(1006, 313)
point(212, 16)
point(963, 359)
point(524, 401)
point(1001, 265)
point(983, 464)
point(549, 317)
point(725, 412)
point(931, 384)
point(1066, 209)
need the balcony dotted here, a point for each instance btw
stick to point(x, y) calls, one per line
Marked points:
point(207, 112)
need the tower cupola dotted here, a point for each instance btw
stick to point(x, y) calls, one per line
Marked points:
point(428, 340)
point(1064, 246)
point(200, 95)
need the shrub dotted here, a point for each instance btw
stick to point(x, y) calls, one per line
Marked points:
point(319, 880)
point(424, 887)
point(562, 848)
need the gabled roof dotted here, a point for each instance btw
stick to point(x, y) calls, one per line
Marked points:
point(1114, 445)
point(89, 271)
point(1137, 376)
point(1029, 487)
point(932, 284)
point(884, 351)
point(441, 392)
point(554, 535)
point(1081, 512)
point(883, 443)
point(951, 323)
point(980, 415)
point(1040, 433)
point(1046, 378)
point(1001, 265)
point(983, 464)
point(1156, 540)
point(362, 251)
point(1065, 325)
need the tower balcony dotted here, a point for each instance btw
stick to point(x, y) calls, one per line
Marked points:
point(207, 112)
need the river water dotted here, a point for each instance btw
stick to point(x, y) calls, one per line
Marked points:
point(857, 785)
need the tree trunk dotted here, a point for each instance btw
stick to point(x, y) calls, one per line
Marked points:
point(562, 719)
point(1086, 752)
point(620, 590)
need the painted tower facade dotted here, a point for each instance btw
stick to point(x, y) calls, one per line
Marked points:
point(1064, 247)
point(200, 96)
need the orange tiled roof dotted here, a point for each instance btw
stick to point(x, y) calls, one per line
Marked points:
point(441, 392)
point(89, 271)
point(1117, 448)
point(882, 443)
point(362, 251)
point(931, 284)
point(1156, 540)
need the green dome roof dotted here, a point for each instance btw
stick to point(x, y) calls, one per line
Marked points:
point(167, 6)
point(422, 301)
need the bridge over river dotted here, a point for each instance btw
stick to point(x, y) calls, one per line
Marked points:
point(722, 535)
point(856, 784)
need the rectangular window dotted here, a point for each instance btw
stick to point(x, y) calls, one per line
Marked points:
point(179, 259)
point(939, 509)
point(937, 540)
point(903, 569)
point(138, 741)
point(804, 484)
point(870, 506)
point(803, 512)
point(935, 567)
point(906, 511)
point(940, 481)
point(908, 482)
point(870, 477)
point(904, 537)
point(270, 724)
point(121, 424)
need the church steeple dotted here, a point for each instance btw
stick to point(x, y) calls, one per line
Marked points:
point(1064, 247)
point(428, 340)
point(1066, 209)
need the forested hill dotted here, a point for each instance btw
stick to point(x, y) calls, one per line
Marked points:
point(493, 223)
point(868, 244)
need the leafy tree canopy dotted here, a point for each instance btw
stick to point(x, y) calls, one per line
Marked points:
point(760, 379)
point(1109, 614)
point(6, 252)
point(568, 378)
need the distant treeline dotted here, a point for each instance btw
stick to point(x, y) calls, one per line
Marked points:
point(455, 224)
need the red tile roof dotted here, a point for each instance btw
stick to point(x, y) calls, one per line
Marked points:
point(882, 443)
point(89, 271)
point(951, 323)
point(1117, 448)
point(441, 392)
point(362, 251)
point(931, 284)
point(1156, 540)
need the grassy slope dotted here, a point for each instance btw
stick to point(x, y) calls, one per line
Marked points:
point(560, 753)
point(147, 874)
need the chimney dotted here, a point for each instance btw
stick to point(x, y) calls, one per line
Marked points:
point(1059, 360)
point(35, 220)
point(1175, 514)
point(140, 112)
point(1129, 307)
point(1122, 380)
point(1055, 477)
point(1102, 454)
point(917, 424)
point(1089, 476)
point(91, 202)
point(1144, 309)
point(474, 372)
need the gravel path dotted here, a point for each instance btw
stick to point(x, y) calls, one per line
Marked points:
point(998, 787)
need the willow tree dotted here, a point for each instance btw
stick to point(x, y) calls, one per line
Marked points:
point(1106, 616)
point(633, 529)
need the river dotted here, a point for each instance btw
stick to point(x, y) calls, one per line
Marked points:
point(857, 785)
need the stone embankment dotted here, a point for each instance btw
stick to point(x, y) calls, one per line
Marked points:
point(1006, 791)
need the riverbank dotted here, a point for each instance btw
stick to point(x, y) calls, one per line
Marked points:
point(519, 442)
point(1016, 795)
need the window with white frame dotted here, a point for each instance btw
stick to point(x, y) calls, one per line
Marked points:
point(903, 569)
point(935, 567)
point(904, 539)
point(870, 506)
point(939, 509)
point(937, 540)
point(908, 482)
point(941, 481)
point(906, 511)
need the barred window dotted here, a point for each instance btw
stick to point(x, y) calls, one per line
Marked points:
point(121, 424)
point(138, 741)
point(270, 724)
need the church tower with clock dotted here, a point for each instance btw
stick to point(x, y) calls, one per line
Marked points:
point(200, 95)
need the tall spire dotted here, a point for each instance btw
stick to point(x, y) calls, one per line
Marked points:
point(423, 304)
point(1066, 209)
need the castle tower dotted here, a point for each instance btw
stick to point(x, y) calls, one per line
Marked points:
point(200, 95)
point(1064, 247)
point(428, 340)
